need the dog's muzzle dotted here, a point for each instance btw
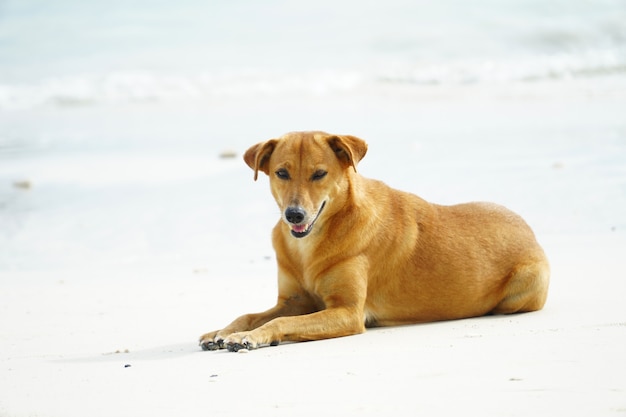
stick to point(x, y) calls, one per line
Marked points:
point(296, 217)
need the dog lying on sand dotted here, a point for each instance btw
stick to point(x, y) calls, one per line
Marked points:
point(353, 252)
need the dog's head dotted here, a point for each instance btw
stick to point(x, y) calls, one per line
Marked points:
point(308, 172)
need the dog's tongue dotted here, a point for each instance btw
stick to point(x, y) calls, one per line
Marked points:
point(299, 228)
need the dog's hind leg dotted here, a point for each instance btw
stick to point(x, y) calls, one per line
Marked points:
point(526, 289)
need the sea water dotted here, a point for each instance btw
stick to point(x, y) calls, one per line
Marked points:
point(113, 115)
point(73, 51)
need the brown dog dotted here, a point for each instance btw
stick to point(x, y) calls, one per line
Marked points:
point(353, 252)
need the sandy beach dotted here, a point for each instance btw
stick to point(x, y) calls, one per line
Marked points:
point(101, 304)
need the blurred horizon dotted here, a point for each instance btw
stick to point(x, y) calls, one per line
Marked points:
point(71, 52)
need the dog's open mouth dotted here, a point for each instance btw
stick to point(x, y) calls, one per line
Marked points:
point(302, 230)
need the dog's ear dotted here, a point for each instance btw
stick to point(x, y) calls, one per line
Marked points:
point(349, 149)
point(258, 156)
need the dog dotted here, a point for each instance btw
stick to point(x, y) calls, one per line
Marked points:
point(354, 253)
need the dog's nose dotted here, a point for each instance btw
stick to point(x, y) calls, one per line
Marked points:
point(295, 215)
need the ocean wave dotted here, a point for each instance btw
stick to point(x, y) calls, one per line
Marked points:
point(139, 86)
point(536, 68)
point(142, 86)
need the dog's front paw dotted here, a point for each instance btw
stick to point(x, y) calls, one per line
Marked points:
point(239, 341)
point(212, 345)
point(210, 341)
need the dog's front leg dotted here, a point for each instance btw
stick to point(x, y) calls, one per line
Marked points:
point(342, 290)
point(215, 340)
point(325, 324)
point(291, 304)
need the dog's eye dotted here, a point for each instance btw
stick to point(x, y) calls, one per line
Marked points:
point(318, 175)
point(283, 174)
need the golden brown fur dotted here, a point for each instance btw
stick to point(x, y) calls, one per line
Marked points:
point(352, 251)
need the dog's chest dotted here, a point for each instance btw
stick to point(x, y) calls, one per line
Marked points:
point(303, 261)
point(300, 251)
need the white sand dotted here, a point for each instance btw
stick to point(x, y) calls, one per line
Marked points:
point(102, 300)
